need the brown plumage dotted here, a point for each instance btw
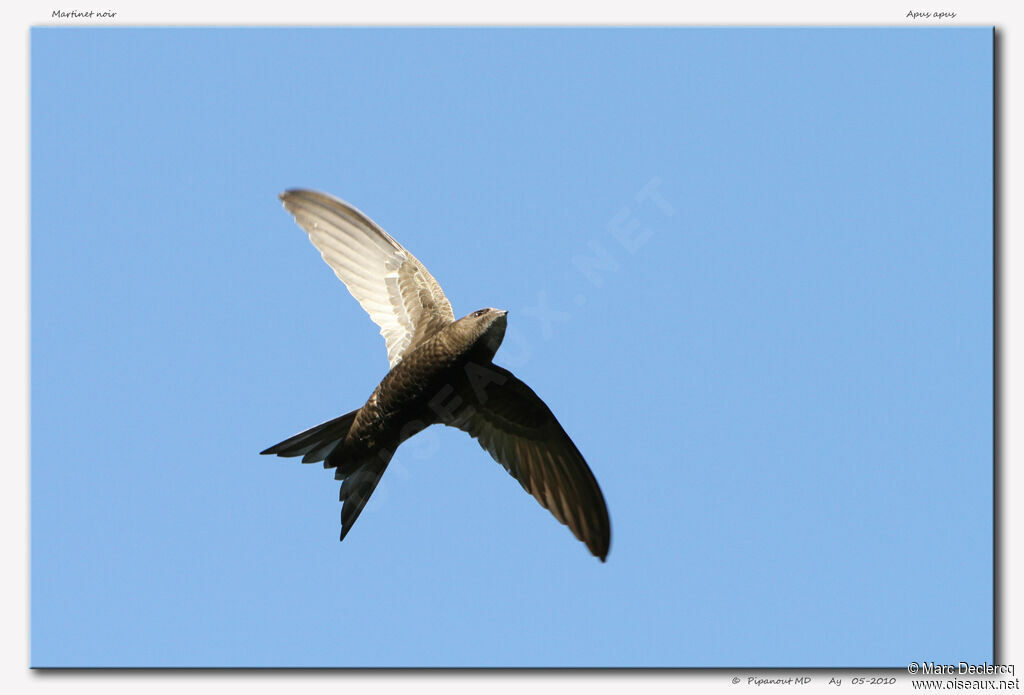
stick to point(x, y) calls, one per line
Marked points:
point(441, 373)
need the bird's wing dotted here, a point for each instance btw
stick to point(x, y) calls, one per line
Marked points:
point(519, 431)
point(388, 282)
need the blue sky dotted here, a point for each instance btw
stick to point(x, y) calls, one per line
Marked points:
point(777, 359)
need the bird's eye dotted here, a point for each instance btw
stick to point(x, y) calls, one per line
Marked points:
point(479, 312)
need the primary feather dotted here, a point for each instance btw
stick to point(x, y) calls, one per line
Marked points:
point(388, 282)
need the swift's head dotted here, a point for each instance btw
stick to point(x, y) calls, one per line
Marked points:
point(485, 329)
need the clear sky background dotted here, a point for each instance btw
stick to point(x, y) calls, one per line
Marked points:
point(779, 368)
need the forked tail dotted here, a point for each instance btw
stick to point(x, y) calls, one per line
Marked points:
point(360, 472)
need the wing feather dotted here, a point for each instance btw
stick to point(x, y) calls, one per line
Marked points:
point(519, 431)
point(394, 288)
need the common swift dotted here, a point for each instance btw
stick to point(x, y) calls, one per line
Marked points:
point(441, 372)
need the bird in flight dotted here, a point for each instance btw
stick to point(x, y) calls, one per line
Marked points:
point(441, 373)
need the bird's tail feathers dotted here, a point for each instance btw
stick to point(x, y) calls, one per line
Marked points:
point(358, 468)
point(360, 477)
point(316, 443)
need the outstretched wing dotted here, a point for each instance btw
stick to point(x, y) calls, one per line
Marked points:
point(388, 282)
point(519, 431)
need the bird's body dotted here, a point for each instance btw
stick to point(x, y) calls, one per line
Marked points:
point(411, 397)
point(441, 373)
